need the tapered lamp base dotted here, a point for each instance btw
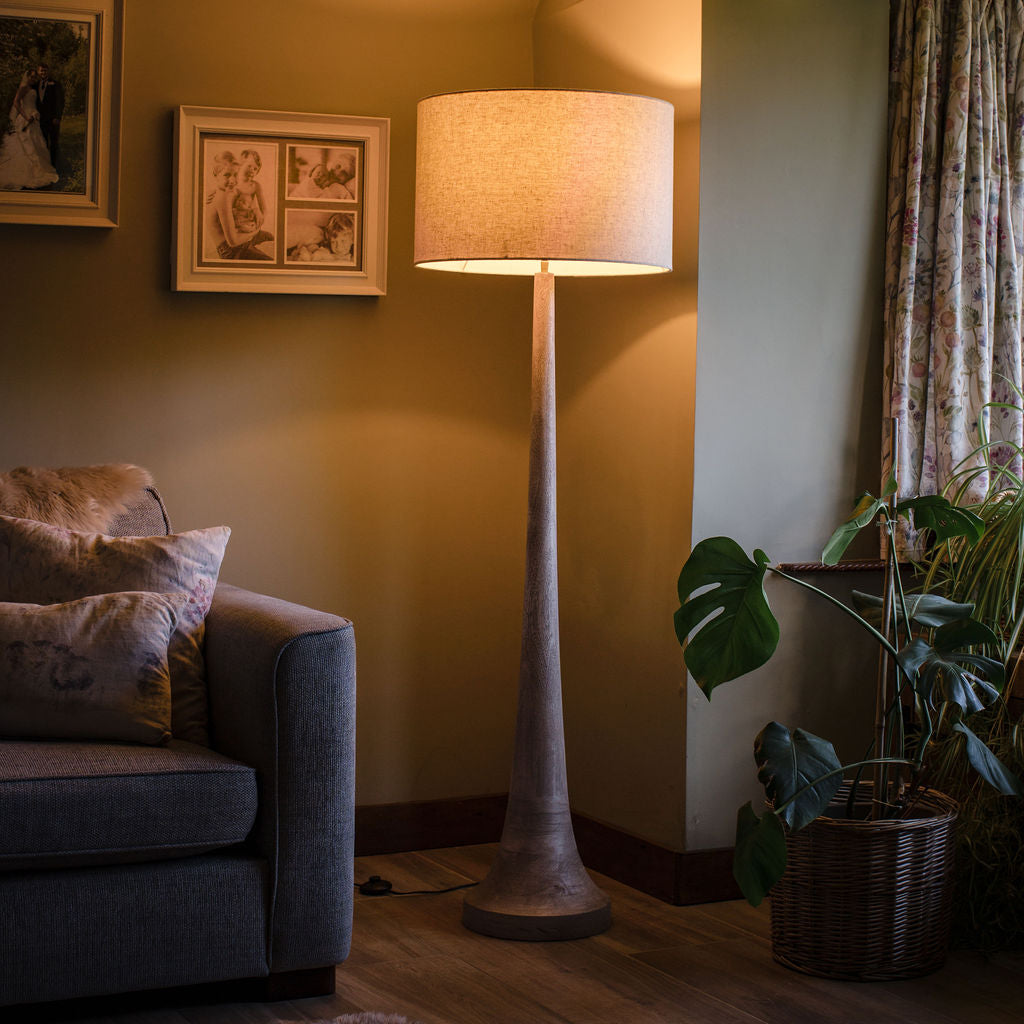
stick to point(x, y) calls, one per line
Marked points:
point(539, 928)
point(537, 889)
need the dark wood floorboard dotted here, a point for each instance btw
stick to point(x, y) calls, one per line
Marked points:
point(657, 964)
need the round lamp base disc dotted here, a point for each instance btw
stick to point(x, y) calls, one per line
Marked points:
point(537, 928)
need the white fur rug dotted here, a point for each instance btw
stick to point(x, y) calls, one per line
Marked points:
point(83, 498)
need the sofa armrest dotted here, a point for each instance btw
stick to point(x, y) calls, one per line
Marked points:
point(281, 680)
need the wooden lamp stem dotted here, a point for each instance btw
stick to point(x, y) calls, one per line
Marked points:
point(537, 887)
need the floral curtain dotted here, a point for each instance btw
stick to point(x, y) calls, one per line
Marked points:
point(954, 252)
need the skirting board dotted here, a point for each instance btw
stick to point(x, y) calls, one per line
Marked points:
point(680, 878)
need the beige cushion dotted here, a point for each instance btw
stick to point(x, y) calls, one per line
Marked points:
point(42, 564)
point(95, 668)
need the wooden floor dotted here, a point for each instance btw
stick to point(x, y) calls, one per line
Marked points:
point(709, 964)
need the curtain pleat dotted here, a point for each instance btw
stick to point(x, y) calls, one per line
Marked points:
point(954, 252)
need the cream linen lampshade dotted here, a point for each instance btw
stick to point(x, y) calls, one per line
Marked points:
point(507, 178)
point(542, 182)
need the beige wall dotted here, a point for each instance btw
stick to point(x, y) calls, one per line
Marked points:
point(793, 123)
point(369, 454)
point(626, 351)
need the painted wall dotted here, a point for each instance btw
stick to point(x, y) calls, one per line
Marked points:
point(793, 125)
point(369, 454)
point(625, 351)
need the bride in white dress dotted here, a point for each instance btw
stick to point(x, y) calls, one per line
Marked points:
point(24, 158)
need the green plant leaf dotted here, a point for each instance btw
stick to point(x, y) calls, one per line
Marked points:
point(933, 512)
point(723, 604)
point(760, 857)
point(966, 632)
point(790, 767)
point(864, 513)
point(988, 766)
point(942, 673)
point(929, 610)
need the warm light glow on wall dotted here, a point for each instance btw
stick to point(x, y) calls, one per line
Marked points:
point(669, 57)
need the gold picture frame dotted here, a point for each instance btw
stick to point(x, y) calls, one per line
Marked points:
point(81, 44)
point(271, 201)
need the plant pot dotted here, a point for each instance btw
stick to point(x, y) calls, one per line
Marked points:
point(867, 900)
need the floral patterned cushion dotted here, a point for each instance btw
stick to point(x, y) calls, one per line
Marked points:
point(95, 668)
point(43, 564)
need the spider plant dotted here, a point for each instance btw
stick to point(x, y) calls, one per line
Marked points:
point(989, 903)
point(990, 572)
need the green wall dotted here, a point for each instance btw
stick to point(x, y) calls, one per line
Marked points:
point(793, 122)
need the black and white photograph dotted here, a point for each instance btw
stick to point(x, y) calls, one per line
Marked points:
point(240, 207)
point(323, 173)
point(321, 236)
point(59, 104)
point(269, 201)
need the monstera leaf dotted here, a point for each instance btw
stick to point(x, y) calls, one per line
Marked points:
point(945, 520)
point(928, 610)
point(760, 856)
point(929, 511)
point(864, 513)
point(944, 672)
point(799, 772)
point(723, 605)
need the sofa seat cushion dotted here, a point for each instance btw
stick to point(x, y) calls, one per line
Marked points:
point(70, 803)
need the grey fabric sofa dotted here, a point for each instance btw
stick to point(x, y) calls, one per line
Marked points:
point(127, 867)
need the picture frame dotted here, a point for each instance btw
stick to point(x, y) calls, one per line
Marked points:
point(60, 148)
point(272, 201)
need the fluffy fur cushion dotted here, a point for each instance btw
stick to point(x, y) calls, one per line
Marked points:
point(43, 564)
point(78, 498)
point(95, 668)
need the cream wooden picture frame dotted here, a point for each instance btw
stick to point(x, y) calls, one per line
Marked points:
point(270, 201)
point(82, 42)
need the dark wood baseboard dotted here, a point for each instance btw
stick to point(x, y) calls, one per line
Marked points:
point(680, 877)
point(677, 877)
point(428, 825)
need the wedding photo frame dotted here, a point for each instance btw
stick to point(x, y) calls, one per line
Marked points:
point(60, 146)
point(268, 201)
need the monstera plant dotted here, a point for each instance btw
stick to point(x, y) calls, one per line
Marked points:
point(939, 678)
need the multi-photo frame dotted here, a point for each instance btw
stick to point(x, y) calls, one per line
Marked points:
point(280, 202)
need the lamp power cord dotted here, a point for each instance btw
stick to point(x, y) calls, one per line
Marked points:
point(377, 886)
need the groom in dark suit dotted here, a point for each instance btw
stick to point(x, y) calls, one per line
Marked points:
point(51, 110)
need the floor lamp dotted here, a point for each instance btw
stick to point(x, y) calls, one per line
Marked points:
point(542, 182)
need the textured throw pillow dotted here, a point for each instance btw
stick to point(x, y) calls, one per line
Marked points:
point(95, 668)
point(42, 564)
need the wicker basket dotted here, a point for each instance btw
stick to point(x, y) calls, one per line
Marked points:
point(867, 900)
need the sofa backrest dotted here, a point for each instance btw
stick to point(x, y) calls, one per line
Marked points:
point(146, 519)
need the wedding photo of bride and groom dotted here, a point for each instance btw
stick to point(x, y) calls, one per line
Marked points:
point(44, 80)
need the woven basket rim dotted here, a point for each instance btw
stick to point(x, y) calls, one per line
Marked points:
point(930, 807)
